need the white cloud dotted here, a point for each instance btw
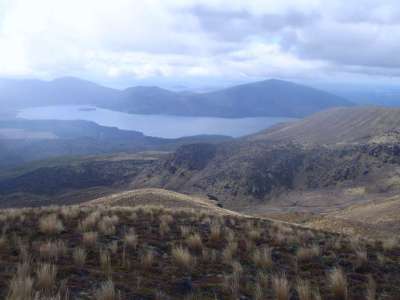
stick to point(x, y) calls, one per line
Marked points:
point(192, 38)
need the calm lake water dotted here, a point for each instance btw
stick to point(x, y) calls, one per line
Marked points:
point(153, 125)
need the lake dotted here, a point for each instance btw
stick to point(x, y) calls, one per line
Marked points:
point(153, 125)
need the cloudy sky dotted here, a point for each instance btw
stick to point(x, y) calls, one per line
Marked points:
point(191, 42)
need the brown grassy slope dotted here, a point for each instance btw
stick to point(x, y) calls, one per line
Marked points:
point(160, 197)
point(378, 219)
point(154, 253)
point(336, 126)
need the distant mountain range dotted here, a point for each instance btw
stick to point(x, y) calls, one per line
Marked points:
point(270, 98)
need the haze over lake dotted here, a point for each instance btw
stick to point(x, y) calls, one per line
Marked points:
point(153, 125)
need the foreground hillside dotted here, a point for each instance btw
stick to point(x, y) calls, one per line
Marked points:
point(98, 252)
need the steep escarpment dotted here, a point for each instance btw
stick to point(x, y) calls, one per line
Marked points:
point(299, 156)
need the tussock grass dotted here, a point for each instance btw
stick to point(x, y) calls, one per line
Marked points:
point(52, 250)
point(89, 238)
point(262, 258)
point(194, 242)
point(105, 261)
point(50, 224)
point(79, 256)
point(46, 276)
point(183, 258)
point(107, 291)
point(371, 289)
point(338, 283)
point(304, 289)
point(147, 259)
point(306, 254)
point(281, 287)
point(215, 232)
point(21, 288)
point(230, 254)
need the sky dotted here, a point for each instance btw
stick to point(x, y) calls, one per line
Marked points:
point(193, 43)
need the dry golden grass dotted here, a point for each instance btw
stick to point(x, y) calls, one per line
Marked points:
point(106, 226)
point(51, 250)
point(194, 242)
point(281, 287)
point(371, 289)
point(229, 252)
point(105, 261)
point(254, 234)
point(262, 257)
point(89, 238)
point(21, 288)
point(215, 232)
point(131, 239)
point(147, 259)
point(304, 289)
point(50, 224)
point(107, 291)
point(338, 283)
point(183, 258)
point(79, 256)
point(361, 257)
point(232, 282)
point(46, 276)
point(231, 265)
point(306, 254)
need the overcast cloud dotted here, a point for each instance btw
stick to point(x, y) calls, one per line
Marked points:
point(206, 40)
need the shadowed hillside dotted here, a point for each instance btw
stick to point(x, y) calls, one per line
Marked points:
point(320, 158)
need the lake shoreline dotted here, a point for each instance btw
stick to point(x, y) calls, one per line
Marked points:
point(164, 126)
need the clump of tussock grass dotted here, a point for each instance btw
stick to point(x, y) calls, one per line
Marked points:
point(307, 254)
point(215, 232)
point(183, 258)
point(338, 284)
point(361, 258)
point(185, 231)
point(46, 276)
point(229, 252)
point(107, 225)
point(303, 289)
point(371, 289)
point(3, 242)
point(50, 224)
point(281, 287)
point(254, 234)
point(131, 239)
point(90, 222)
point(21, 285)
point(52, 250)
point(194, 241)
point(105, 261)
point(147, 259)
point(262, 257)
point(258, 293)
point(107, 291)
point(89, 238)
point(21, 288)
point(70, 212)
point(232, 281)
point(79, 257)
